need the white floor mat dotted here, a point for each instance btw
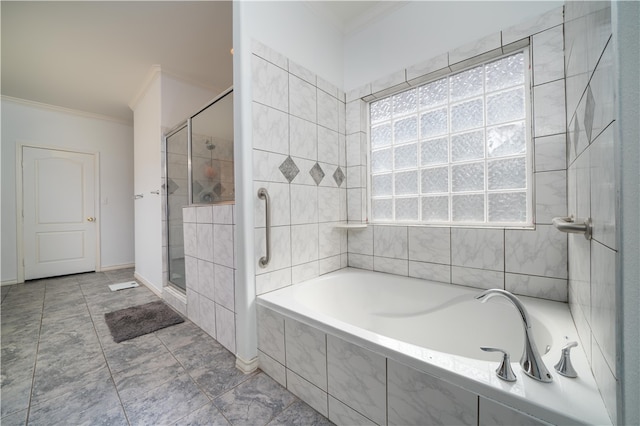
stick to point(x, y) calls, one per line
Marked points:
point(123, 286)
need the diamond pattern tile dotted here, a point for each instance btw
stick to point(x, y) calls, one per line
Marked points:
point(172, 186)
point(289, 169)
point(338, 176)
point(218, 189)
point(576, 134)
point(317, 173)
point(588, 113)
point(196, 187)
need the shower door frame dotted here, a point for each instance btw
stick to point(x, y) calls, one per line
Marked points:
point(183, 125)
point(186, 123)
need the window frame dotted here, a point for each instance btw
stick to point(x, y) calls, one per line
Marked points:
point(529, 223)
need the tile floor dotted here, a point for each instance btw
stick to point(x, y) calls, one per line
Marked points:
point(61, 366)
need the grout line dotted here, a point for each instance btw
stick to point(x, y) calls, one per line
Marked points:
point(124, 411)
point(35, 361)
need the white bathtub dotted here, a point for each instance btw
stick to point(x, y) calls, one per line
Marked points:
point(436, 329)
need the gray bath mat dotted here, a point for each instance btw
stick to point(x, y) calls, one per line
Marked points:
point(136, 321)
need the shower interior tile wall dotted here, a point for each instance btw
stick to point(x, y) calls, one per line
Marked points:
point(299, 157)
point(530, 262)
point(210, 270)
point(591, 190)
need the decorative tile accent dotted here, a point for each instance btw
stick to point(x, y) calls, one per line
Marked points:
point(338, 176)
point(588, 113)
point(172, 187)
point(317, 173)
point(576, 134)
point(289, 169)
point(218, 189)
point(197, 187)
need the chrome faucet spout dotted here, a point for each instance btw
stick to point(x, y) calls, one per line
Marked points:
point(531, 361)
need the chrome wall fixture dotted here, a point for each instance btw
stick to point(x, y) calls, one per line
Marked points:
point(264, 195)
point(573, 225)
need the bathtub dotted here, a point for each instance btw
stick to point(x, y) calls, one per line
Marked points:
point(371, 348)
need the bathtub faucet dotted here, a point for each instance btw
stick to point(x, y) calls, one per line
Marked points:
point(531, 361)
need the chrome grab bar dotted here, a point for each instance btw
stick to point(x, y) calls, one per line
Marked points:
point(573, 225)
point(264, 195)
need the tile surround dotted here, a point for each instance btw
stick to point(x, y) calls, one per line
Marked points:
point(417, 399)
point(493, 413)
point(357, 376)
point(488, 260)
point(521, 270)
point(353, 385)
point(302, 167)
point(548, 55)
point(210, 270)
point(591, 190)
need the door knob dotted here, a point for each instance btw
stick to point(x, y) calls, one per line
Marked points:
point(91, 219)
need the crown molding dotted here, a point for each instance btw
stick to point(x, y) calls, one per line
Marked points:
point(153, 73)
point(76, 112)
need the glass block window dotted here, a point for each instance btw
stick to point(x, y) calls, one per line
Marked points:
point(456, 150)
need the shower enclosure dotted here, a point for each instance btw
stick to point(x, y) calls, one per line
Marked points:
point(198, 170)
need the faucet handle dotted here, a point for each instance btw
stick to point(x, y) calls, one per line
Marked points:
point(504, 370)
point(564, 366)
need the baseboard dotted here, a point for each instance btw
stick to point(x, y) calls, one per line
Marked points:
point(8, 282)
point(116, 267)
point(247, 367)
point(176, 299)
point(148, 284)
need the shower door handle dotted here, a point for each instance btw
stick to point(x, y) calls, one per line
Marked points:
point(264, 195)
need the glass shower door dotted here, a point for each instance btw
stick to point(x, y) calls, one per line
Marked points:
point(176, 184)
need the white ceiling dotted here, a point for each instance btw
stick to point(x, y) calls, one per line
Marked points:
point(93, 56)
point(351, 16)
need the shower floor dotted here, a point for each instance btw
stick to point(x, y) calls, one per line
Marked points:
point(61, 366)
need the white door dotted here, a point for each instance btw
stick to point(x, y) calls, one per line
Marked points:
point(59, 212)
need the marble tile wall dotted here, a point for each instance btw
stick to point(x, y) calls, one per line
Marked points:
point(210, 270)
point(353, 385)
point(589, 61)
point(299, 156)
point(530, 262)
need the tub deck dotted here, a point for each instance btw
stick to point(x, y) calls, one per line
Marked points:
point(323, 304)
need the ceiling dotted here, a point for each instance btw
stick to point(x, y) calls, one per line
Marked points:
point(351, 16)
point(93, 56)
